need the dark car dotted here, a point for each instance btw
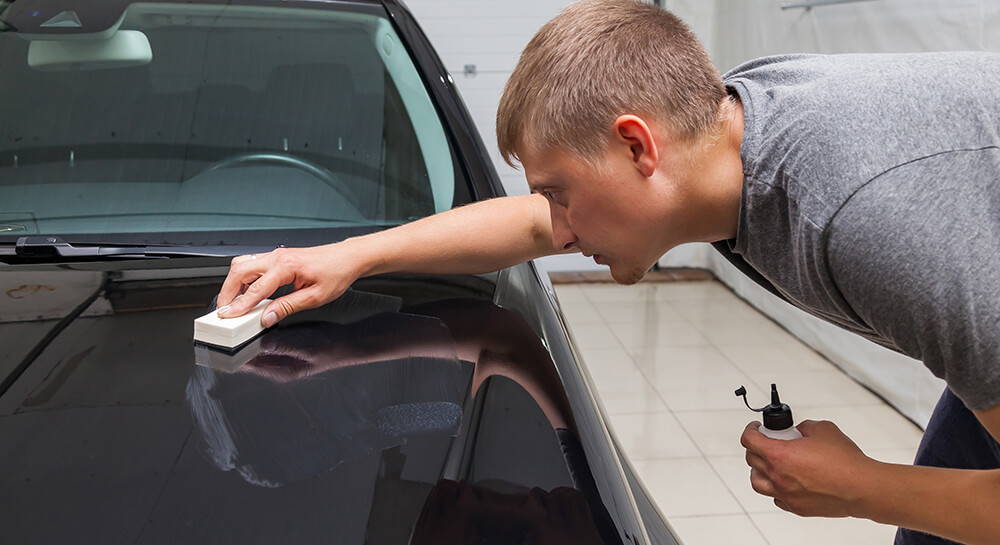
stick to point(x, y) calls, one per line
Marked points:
point(142, 146)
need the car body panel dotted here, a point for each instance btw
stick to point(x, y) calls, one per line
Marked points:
point(346, 417)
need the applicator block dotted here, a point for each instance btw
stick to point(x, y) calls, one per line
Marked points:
point(229, 332)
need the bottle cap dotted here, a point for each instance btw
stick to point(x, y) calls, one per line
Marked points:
point(777, 415)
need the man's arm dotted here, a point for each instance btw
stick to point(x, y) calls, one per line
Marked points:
point(957, 504)
point(480, 237)
point(477, 238)
point(825, 474)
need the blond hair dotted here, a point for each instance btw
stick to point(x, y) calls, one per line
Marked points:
point(599, 59)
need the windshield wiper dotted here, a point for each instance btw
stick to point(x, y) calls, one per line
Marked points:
point(50, 248)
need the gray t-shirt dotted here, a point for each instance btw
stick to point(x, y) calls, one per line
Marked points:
point(871, 199)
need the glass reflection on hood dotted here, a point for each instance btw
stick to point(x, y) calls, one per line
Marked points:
point(315, 394)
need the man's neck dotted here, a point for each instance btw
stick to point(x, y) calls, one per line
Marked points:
point(712, 178)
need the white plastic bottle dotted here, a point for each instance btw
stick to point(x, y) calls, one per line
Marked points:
point(786, 434)
point(778, 423)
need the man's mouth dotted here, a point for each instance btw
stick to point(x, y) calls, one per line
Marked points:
point(596, 257)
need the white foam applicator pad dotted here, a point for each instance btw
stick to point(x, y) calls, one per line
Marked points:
point(229, 332)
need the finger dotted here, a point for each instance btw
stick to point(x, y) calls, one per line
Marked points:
point(782, 505)
point(810, 427)
point(760, 483)
point(259, 290)
point(283, 307)
point(240, 273)
point(756, 462)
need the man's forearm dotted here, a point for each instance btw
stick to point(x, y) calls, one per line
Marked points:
point(958, 504)
point(477, 238)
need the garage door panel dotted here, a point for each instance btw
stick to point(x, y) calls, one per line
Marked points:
point(490, 36)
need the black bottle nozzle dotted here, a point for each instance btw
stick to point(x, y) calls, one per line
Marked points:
point(777, 415)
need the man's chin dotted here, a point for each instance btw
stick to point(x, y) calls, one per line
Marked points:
point(624, 274)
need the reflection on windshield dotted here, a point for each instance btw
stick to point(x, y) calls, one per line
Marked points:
point(456, 401)
point(248, 117)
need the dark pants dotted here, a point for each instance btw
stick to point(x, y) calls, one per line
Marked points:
point(954, 438)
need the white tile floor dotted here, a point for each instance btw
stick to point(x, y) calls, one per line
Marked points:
point(666, 358)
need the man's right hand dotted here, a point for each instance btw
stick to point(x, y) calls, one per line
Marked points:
point(320, 274)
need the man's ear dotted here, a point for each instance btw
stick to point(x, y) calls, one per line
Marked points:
point(632, 131)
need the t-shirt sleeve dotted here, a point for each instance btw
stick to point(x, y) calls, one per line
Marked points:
point(916, 253)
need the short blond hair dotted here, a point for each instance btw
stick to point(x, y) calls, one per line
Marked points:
point(599, 59)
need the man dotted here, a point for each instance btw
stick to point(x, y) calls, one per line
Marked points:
point(864, 189)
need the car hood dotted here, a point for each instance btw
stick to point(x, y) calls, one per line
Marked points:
point(410, 410)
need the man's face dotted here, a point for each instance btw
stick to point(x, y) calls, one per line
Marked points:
point(605, 210)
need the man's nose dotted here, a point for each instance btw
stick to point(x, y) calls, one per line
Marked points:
point(562, 236)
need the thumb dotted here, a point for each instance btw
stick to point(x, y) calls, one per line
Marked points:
point(752, 439)
point(283, 307)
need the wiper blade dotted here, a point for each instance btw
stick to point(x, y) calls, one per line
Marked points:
point(49, 248)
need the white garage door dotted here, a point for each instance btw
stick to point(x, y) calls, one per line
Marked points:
point(487, 37)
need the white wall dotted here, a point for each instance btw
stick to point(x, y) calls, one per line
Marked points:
point(745, 29)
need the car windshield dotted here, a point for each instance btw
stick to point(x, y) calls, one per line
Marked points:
point(216, 122)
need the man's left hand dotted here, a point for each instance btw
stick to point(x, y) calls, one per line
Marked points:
point(823, 474)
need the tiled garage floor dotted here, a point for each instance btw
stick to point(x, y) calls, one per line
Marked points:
point(666, 358)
